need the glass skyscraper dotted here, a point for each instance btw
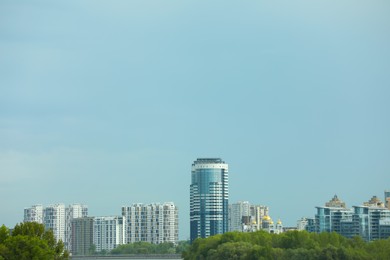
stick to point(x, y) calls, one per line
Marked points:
point(209, 197)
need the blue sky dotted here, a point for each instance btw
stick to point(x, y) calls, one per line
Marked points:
point(108, 103)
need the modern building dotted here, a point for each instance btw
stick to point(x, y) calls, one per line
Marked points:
point(54, 219)
point(328, 218)
point(107, 232)
point(209, 198)
point(238, 212)
point(246, 217)
point(308, 224)
point(73, 211)
point(58, 218)
point(154, 223)
point(82, 236)
point(371, 221)
point(34, 214)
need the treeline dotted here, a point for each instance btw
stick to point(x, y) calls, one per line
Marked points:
point(29, 241)
point(293, 245)
point(148, 248)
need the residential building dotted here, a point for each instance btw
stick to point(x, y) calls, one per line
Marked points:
point(307, 224)
point(34, 214)
point(82, 236)
point(54, 219)
point(209, 198)
point(58, 218)
point(237, 213)
point(371, 220)
point(107, 232)
point(384, 228)
point(328, 218)
point(73, 211)
point(246, 217)
point(154, 223)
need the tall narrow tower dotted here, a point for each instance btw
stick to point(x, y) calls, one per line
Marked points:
point(209, 197)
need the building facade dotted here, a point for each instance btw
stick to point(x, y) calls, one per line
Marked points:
point(73, 211)
point(107, 232)
point(328, 218)
point(82, 236)
point(246, 217)
point(54, 219)
point(154, 223)
point(58, 218)
point(308, 224)
point(371, 221)
point(34, 214)
point(209, 198)
point(238, 212)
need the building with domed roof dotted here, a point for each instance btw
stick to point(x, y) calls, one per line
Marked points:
point(244, 216)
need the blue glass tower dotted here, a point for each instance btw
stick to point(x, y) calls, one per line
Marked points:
point(209, 197)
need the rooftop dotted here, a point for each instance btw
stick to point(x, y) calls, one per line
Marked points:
point(208, 160)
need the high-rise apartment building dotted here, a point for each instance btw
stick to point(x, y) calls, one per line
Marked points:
point(371, 221)
point(246, 217)
point(34, 214)
point(107, 232)
point(54, 219)
point(82, 236)
point(154, 223)
point(237, 213)
point(369, 218)
point(209, 198)
point(328, 218)
point(73, 211)
point(58, 218)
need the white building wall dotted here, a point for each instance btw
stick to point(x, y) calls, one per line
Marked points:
point(153, 223)
point(236, 212)
point(34, 214)
point(107, 232)
point(54, 219)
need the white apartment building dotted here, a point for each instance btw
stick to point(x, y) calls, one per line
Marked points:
point(54, 219)
point(34, 214)
point(58, 218)
point(153, 223)
point(107, 232)
point(236, 213)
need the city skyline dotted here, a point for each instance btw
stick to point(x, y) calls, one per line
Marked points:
point(108, 103)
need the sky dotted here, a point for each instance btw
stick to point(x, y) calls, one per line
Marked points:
point(108, 103)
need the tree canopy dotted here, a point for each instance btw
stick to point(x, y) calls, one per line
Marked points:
point(149, 248)
point(290, 245)
point(30, 241)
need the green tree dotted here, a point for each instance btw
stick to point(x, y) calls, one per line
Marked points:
point(4, 234)
point(30, 240)
point(182, 246)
